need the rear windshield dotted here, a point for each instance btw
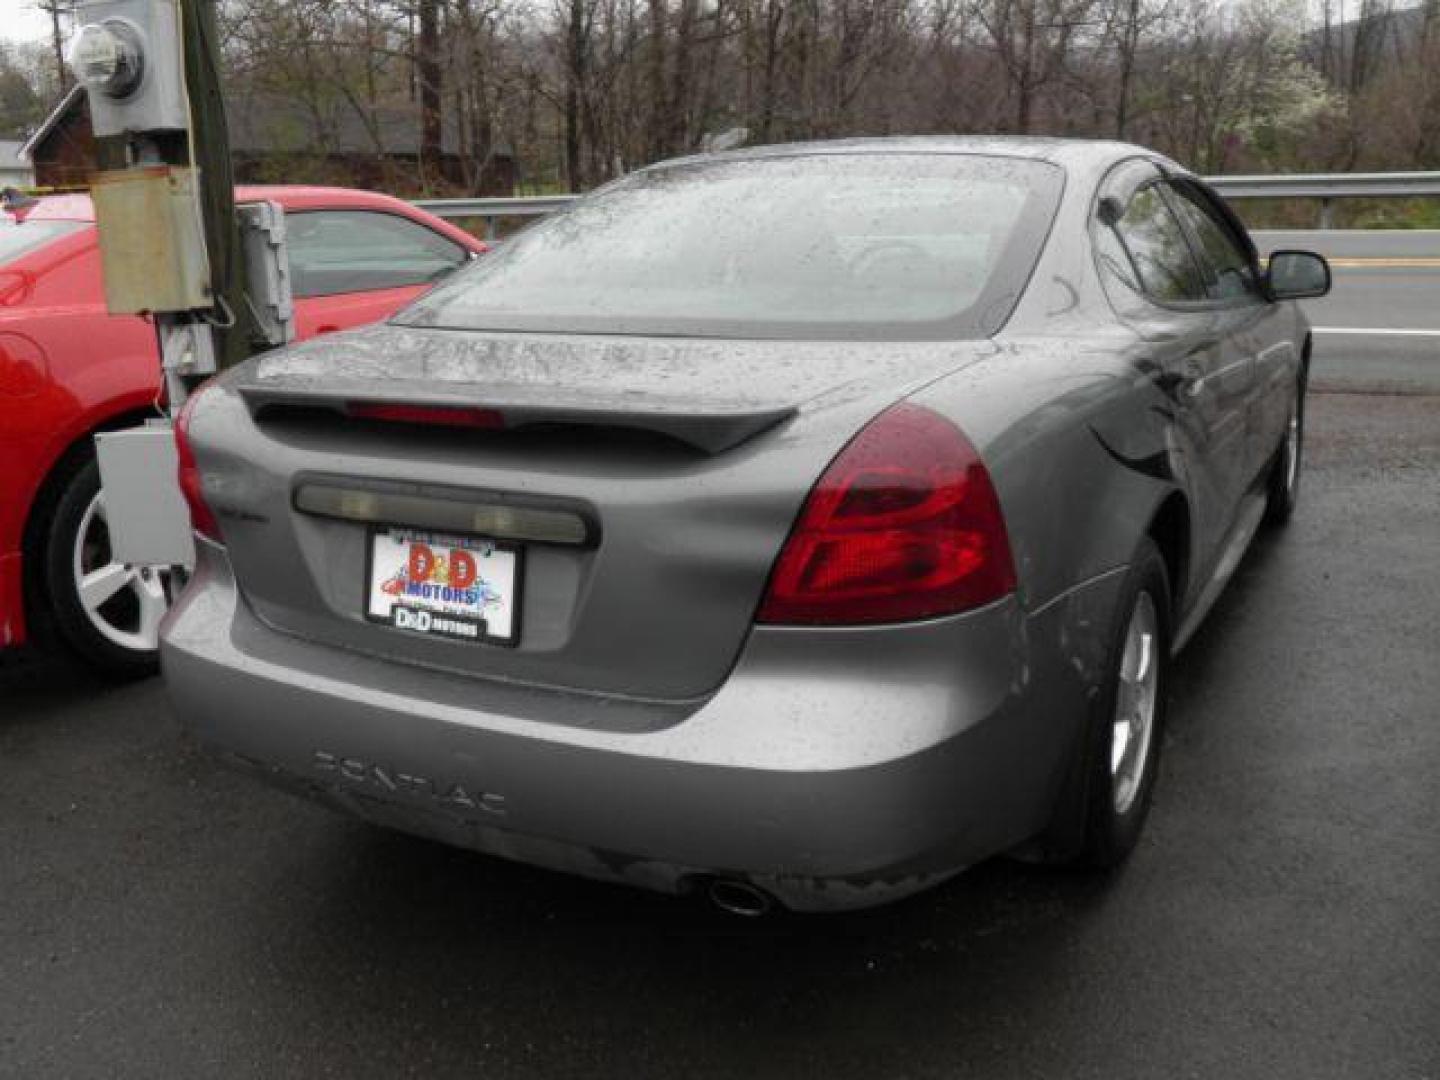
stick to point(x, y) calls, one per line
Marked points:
point(19, 238)
point(860, 246)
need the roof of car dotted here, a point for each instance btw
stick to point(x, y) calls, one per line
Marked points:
point(1078, 154)
point(78, 207)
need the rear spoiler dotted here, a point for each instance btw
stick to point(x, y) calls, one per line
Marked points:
point(712, 427)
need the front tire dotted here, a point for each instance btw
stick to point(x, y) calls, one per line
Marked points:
point(105, 612)
point(1282, 488)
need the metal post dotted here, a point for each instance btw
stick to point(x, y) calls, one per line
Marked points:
point(210, 147)
point(1327, 213)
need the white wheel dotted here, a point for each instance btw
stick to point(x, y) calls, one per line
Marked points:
point(1122, 752)
point(1135, 701)
point(123, 603)
point(104, 611)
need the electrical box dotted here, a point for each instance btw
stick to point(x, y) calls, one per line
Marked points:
point(152, 245)
point(145, 514)
point(186, 348)
point(129, 56)
point(267, 271)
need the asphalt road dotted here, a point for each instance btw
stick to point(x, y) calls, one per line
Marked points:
point(1380, 326)
point(159, 917)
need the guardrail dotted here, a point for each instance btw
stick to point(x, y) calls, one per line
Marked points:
point(491, 210)
point(1327, 187)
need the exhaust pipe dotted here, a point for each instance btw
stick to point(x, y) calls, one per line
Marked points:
point(739, 898)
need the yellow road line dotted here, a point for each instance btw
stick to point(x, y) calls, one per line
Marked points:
point(1417, 263)
point(1366, 262)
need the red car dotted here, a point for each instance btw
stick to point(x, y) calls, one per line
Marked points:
point(69, 369)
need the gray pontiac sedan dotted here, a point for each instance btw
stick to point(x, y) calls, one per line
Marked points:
point(793, 526)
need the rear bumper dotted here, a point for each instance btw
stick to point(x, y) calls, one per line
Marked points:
point(834, 768)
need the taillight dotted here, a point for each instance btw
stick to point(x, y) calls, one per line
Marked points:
point(440, 415)
point(202, 518)
point(903, 525)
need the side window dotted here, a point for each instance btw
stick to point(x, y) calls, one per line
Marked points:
point(1228, 271)
point(341, 251)
point(1158, 248)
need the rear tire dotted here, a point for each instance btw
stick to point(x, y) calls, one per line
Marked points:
point(1282, 487)
point(1122, 749)
point(104, 612)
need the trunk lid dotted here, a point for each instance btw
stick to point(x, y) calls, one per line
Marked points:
point(686, 461)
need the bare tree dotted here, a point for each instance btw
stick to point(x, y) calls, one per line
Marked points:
point(575, 91)
point(430, 74)
point(1032, 39)
point(1127, 24)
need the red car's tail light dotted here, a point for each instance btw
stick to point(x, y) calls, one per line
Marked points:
point(440, 415)
point(202, 518)
point(904, 524)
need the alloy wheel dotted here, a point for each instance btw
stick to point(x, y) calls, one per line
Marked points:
point(1135, 704)
point(124, 603)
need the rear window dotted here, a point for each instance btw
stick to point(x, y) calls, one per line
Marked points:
point(820, 245)
point(21, 238)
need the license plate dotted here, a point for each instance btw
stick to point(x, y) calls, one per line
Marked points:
point(462, 588)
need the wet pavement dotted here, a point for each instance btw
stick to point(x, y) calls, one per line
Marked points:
point(160, 917)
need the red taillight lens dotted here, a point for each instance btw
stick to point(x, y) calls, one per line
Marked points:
point(903, 525)
point(202, 518)
point(440, 415)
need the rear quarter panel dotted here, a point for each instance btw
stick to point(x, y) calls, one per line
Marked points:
point(1073, 433)
point(1069, 415)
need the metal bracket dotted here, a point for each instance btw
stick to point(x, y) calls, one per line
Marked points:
point(267, 271)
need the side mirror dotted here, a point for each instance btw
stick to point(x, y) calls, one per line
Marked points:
point(1297, 275)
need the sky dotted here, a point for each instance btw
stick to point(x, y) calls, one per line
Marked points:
point(20, 20)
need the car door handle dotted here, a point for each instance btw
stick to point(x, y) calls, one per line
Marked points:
point(328, 328)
